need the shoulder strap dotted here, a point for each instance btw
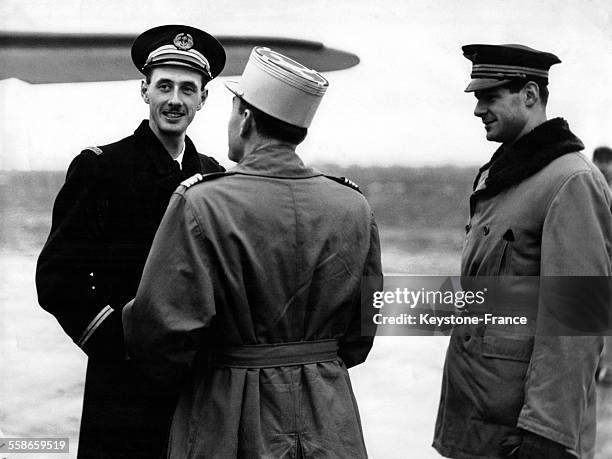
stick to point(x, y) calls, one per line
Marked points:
point(96, 150)
point(344, 181)
point(200, 178)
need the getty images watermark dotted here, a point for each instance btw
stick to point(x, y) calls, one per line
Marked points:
point(525, 305)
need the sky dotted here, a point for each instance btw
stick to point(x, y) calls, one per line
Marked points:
point(402, 105)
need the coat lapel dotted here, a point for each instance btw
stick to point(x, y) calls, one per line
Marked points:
point(166, 173)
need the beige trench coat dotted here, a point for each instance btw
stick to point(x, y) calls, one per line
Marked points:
point(272, 254)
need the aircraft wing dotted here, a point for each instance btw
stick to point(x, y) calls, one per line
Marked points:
point(68, 58)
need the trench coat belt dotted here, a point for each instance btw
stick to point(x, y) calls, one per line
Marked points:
point(277, 354)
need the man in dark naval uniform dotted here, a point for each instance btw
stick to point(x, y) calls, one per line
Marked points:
point(104, 220)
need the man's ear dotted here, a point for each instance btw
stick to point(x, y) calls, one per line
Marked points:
point(532, 94)
point(144, 88)
point(246, 124)
point(203, 98)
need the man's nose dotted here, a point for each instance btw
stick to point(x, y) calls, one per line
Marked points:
point(174, 97)
point(480, 110)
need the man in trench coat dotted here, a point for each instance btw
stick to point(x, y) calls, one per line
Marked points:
point(104, 220)
point(541, 223)
point(250, 298)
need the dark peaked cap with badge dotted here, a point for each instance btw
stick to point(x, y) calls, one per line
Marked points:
point(497, 65)
point(179, 45)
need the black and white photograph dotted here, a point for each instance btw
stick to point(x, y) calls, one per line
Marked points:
point(267, 229)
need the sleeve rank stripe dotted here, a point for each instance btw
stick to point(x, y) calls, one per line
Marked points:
point(93, 325)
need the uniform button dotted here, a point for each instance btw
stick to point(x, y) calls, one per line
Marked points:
point(93, 287)
point(485, 230)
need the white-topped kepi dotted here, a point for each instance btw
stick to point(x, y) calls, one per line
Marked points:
point(280, 87)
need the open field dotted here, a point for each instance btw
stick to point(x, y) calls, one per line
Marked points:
point(42, 371)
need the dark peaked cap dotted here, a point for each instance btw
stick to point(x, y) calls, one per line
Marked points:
point(497, 65)
point(179, 45)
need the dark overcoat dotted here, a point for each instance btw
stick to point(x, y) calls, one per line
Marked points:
point(249, 265)
point(104, 220)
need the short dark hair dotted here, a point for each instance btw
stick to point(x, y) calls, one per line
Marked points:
point(602, 155)
point(147, 73)
point(271, 127)
point(516, 85)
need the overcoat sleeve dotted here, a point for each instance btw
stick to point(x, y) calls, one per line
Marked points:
point(576, 241)
point(164, 324)
point(358, 339)
point(70, 271)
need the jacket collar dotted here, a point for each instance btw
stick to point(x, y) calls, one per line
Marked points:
point(164, 165)
point(280, 161)
point(531, 153)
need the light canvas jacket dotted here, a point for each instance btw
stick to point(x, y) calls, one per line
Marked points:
point(494, 384)
point(272, 254)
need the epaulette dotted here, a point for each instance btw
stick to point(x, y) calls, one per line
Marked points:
point(199, 178)
point(344, 181)
point(96, 150)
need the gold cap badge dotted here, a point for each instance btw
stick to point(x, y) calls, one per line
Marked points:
point(183, 41)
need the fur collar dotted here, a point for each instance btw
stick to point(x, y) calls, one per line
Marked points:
point(531, 153)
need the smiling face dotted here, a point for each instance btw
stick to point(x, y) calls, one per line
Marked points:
point(174, 95)
point(504, 113)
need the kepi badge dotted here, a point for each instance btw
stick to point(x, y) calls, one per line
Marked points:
point(183, 41)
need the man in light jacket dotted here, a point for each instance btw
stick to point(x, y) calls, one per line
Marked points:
point(540, 209)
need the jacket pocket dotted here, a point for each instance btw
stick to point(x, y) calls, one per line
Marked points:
point(507, 348)
point(501, 379)
point(505, 257)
